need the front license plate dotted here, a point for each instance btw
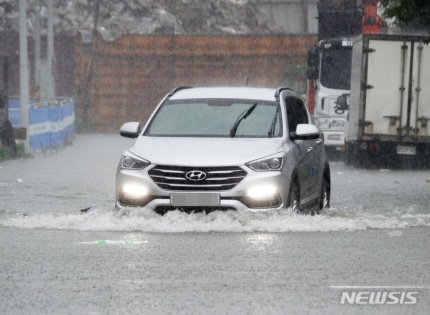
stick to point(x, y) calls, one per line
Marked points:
point(407, 150)
point(195, 200)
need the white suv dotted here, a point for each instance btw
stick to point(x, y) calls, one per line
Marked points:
point(223, 148)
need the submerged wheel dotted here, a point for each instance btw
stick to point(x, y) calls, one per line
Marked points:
point(294, 197)
point(324, 200)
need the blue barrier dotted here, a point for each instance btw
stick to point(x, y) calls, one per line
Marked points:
point(51, 124)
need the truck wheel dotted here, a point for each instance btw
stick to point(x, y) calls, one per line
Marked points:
point(349, 158)
point(363, 160)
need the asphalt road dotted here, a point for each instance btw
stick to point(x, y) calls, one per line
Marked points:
point(55, 259)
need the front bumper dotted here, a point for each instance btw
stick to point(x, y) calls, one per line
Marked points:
point(240, 198)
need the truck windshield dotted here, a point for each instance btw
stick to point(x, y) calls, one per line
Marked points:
point(336, 68)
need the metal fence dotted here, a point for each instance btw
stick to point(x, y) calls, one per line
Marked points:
point(51, 124)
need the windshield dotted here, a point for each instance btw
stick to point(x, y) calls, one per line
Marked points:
point(215, 118)
point(336, 68)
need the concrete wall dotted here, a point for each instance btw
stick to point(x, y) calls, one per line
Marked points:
point(292, 16)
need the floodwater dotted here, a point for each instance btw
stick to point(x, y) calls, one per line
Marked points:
point(57, 259)
point(49, 190)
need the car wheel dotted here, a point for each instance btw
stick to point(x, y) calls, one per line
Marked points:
point(294, 197)
point(324, 200)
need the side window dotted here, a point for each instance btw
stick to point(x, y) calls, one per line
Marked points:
point(296, 113)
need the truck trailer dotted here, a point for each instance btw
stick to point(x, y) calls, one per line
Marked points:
point(389, 106)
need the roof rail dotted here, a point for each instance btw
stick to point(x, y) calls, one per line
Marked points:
point(176, 89)
point(279, 90)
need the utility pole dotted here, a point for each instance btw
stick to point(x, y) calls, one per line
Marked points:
point(87, 93)
point(305, 10)
point(51, 76)
point(36, 36)
point(23, 73)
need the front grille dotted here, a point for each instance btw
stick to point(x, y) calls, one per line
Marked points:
point(162, 210)
point(216, 178)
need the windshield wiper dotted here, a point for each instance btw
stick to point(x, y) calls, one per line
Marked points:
point(241, 117)
point(273, 125)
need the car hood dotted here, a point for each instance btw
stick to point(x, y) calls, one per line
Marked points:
point(204, 151)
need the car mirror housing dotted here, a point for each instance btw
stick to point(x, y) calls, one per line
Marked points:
point(130, 130)
point(305, 132)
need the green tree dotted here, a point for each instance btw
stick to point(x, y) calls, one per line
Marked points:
point(408, 14)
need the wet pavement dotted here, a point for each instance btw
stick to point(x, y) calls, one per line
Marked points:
point(55, 259)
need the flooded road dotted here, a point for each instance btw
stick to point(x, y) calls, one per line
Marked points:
point(56, 259)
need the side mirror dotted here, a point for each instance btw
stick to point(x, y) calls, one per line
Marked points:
point(341, 103)
point(313, 57)
point(305, 132)
point(312, 74)
point(130, 130)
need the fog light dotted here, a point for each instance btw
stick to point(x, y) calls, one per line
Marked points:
point(262, 192)
point(134, 191)
point(262, 197)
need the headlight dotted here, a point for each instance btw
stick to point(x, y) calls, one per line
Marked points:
point(338, 123)
point(273, 163)
point(135, 163)
point(323, 123)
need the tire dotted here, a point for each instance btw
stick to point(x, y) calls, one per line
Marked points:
point(324, 200)
point(294, 197)
point(349, 157)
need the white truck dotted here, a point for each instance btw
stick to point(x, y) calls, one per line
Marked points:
point(389, 104)
point(329, 62)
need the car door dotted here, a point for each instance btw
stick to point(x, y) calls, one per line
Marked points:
point(308, 161)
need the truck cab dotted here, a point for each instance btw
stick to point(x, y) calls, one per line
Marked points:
point(329, 65)
point(329, 62)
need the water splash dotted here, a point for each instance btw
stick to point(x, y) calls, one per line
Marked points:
point(145, 220)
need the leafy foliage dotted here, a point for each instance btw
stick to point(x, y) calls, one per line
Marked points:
point(408, 14)
point(5, 153)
